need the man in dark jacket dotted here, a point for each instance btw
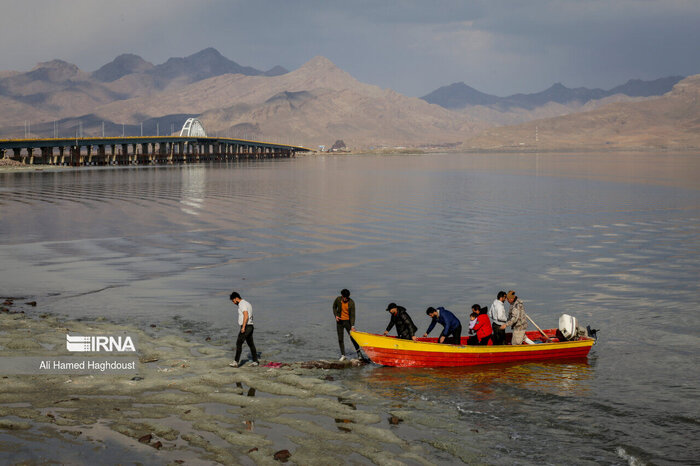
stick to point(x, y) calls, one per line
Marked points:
point(452, 332)
point(405, 328)
point(344, 312)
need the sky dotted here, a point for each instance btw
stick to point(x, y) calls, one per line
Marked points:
point(499, 47)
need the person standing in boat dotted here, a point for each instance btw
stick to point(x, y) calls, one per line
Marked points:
point(405, 328)
point(452, 331)
point(517, 319)
point(245, 320)
point(344, 312)
point(497, 315)
point(482, 326)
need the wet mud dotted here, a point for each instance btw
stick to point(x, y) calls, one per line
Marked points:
point(184, 404)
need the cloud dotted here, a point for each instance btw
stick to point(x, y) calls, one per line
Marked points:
point(498, 46)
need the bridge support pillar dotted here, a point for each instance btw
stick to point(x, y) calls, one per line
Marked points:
point(102, 154)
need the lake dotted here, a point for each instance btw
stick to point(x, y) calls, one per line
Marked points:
point(611, 238)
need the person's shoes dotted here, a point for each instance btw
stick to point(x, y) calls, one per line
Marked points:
point(253, 364)
point(342, 358)
point(234, 364)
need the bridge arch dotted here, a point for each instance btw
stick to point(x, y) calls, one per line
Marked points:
point(193, 128)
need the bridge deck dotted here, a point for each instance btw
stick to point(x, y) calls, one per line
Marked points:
point(140, 150)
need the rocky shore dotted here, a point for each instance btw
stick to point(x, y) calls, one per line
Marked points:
point(7, 162)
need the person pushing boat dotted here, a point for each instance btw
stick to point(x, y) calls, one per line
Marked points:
point(344, 313)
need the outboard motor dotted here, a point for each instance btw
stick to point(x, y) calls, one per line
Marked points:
point(570, 330)
point(568, 326)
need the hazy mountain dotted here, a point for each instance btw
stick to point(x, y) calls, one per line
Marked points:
point(57, 89)
point(557, 93)
point(318, 104)
point(49, 76)
point(201, 65)
point(50, 90)
point(639, 88)
point(461, 96)
point(671, 121)
point(310, 105)
point(276, 71)
point(123, 65)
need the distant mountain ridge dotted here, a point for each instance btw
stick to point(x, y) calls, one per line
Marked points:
point(204, 64)
point(459, 95)
point(124, 64)
point(319, 103)
point(668, 122)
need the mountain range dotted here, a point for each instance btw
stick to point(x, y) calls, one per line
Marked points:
point(671, 121)
point(316, 104)
point(460, 96)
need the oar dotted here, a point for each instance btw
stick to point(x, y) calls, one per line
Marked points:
point(538, 327)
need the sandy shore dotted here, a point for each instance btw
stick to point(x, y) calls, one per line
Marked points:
point(183, 404)
point(30, 168)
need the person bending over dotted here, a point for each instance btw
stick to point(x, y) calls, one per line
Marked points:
point(405, 328)
point(452, 327)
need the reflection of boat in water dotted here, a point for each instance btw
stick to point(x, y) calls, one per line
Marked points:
point(426, 352)
point(558, 377)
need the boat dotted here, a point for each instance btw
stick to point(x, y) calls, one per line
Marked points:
point(427, 352)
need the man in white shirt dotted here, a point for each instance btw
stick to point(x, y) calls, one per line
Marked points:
point(245, 320)
point(497, 315)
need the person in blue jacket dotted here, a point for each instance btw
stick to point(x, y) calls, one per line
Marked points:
point(452, 332)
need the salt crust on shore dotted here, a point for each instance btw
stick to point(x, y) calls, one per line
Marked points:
point(194, 406)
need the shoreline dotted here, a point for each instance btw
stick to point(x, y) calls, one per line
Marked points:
point(184, 403)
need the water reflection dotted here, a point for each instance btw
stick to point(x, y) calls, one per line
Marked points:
point(251, 390)
point(570, 377)
point(340, 423)
point(193, 189)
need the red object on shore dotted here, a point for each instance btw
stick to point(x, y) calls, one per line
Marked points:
point(426, 352)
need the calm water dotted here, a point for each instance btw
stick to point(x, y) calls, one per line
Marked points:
point(613, 239)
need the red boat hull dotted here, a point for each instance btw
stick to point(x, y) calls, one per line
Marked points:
point(390, 351)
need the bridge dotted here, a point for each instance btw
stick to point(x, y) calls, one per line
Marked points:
point(191, 146)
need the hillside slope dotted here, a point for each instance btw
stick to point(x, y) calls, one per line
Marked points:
point(671, 121)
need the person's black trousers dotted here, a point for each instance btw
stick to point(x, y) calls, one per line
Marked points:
point(498, 336)
point(246, 336)
point(455, 338)
point(340, 326)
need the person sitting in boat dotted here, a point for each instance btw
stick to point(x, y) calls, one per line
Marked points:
point(482, 326)
point(452, 331)
point(405, 328)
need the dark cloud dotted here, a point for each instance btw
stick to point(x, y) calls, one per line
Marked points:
point(412, 46)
